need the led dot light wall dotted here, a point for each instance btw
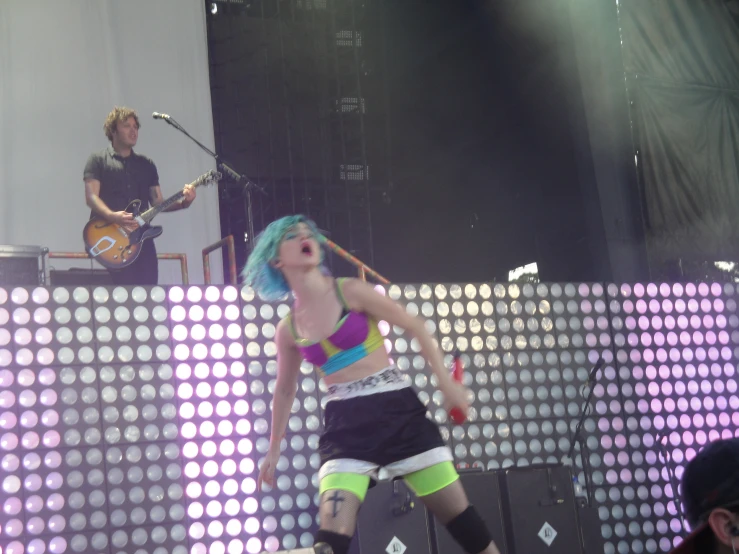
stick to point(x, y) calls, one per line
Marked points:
point(287, 512)
point(91, 456)
point(134, 420)
point(131, 325)
point(405, 351)
point(676, 360)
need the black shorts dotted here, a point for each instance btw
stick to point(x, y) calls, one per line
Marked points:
point(381, 428)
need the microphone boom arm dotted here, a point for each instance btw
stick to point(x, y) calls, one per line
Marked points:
point(224, 168)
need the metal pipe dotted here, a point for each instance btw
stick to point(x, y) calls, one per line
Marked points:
point(362, 140)
point(265, 42)
point(229, 243)
point(337, 107)
point(70, 255)
point(286, 99)
point(183, 265)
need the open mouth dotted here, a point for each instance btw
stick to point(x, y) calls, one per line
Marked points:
point(306, 249)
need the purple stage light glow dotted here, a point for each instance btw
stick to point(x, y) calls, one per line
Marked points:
point(214, 405)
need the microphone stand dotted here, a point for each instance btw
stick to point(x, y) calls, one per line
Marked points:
point(584, 455)
point(223, 167)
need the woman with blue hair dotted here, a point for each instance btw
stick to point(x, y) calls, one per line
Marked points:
point(373, 417)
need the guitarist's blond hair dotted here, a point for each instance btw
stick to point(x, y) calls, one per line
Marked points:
point(116, 116)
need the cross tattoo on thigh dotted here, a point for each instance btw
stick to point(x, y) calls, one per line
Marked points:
point(336, 499)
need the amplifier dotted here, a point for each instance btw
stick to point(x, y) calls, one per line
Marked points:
point(483, 492)
point(391, 520)
point(22, 265)
point(540, 514)
point(80, 277)
point(590, 525)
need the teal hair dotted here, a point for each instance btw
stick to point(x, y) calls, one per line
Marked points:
point(259, 273)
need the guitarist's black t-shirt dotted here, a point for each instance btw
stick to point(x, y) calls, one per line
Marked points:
point(122, 179)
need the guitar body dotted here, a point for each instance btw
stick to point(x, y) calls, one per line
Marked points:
point(111, 245)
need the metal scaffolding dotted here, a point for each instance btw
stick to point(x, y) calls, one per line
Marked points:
point(300, 106)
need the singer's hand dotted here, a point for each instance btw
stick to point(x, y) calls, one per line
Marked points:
point(456, 396)
point(267, 469)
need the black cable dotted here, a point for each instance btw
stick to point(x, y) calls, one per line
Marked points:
point(667, 460)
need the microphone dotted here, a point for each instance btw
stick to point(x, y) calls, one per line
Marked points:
point(157, 115)
point(455, 413)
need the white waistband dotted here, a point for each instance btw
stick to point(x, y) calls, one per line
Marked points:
point(396, 469)
point(386, 380)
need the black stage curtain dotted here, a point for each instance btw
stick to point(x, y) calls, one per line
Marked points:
point(682, 67)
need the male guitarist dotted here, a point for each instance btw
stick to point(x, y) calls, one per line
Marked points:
point(118, 175)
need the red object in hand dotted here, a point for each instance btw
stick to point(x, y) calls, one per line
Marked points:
point(455, 413)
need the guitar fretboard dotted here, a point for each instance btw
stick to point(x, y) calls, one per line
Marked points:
point(152, 212)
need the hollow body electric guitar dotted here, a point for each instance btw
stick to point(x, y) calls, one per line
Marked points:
point(114, 247)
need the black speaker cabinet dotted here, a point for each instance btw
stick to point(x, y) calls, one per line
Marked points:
point(483, 492)
point(22, 265)
point(590, 525)
point(539, 510)
point(391, 520)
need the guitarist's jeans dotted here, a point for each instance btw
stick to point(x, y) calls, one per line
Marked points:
point(144, 271)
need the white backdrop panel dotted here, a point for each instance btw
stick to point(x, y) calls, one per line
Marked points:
point(63, 65)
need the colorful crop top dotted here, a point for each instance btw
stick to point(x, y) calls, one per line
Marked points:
point(355, 336)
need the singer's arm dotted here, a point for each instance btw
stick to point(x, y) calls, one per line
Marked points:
point(288, 372)
point(362, 297)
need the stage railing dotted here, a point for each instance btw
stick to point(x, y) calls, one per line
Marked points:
point(229, 243)
point(85, 256)
point(183, 264)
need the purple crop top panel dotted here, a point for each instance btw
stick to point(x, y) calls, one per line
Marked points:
point(355, 336)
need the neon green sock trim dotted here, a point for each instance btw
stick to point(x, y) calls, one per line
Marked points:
point(432, 479)
point(350, 482)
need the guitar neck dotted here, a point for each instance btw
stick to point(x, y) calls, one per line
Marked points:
point(152, 212)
